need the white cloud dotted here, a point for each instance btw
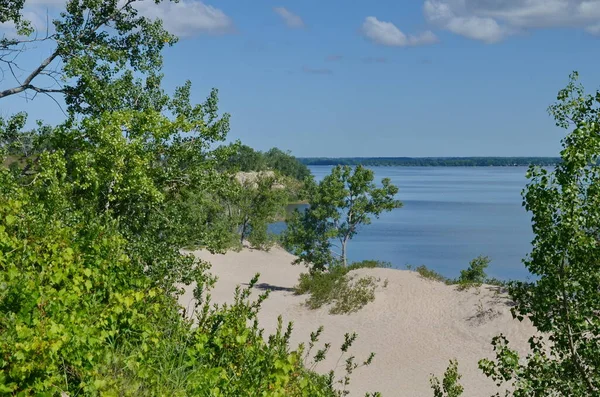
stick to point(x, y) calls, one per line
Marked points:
point(187, 18)
point(386, 33)
point(291, 20)
point(39, 22)
point(494, 20)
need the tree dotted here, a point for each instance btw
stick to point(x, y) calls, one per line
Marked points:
point(564, 301)
point(286, 164)
point(90, 236)
point(127, 150)
point(256, 204)
point(242, 158)
point(341, 203)
point(90, 55)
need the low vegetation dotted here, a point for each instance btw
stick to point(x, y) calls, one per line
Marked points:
point(345, 293)
point(449, 386)
point(473, 276)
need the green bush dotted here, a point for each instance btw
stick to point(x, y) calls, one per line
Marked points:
point(345, 293)
point(430, 274)
point(354, 295)
point(369, 264)
point(449, 387)
point(474, 275)
point(77, 317)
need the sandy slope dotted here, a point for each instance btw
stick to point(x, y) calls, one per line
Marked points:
point(415, 326)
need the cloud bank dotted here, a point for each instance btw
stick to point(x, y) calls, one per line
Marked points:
point(491, 21)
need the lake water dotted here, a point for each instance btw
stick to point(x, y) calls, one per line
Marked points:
point(450, 216)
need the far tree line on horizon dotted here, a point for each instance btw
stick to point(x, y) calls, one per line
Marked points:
point(433, 161)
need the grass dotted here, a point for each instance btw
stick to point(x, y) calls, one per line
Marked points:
point(345, 293)
point(473, 276)
point(430, 274)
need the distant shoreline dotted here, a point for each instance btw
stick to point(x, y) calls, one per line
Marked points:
point(432, 161)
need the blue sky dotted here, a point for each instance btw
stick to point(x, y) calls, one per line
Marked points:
point(385, 78)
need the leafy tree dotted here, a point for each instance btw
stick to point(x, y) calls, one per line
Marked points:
point(241, 157)
point(338, 206)
point(90, 56)
point(564, 301)
point(286, 164)
point(257, 204)
point(10, 11)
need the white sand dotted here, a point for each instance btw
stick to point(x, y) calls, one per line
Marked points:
point(415, 326)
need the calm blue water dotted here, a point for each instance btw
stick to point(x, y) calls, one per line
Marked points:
point(450, 216)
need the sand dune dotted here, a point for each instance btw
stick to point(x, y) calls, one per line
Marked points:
point(415, 326)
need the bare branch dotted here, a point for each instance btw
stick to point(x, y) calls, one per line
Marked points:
point(27, 82)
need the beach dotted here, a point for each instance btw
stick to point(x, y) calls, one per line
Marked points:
point(414, 326)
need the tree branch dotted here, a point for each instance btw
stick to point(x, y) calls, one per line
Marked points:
point(27, 83)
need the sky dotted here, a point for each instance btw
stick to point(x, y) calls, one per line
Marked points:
point(377, 78)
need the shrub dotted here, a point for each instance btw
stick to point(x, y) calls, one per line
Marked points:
point(474, 275)
point(77, 317)
point(449, 387)
point(430, 274)
point(323, 287)
point(369, 264)
point(354, 295)
point(345, 293)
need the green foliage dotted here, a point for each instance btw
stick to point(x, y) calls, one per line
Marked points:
point(77, 318)
point(449, 387)
point(243, 158)
point(10, 10)
point(369, 264)
point(354, 295)
point(256, 204)
point(345, 293)
point(238, 157)
point(474, 275)
point(286, 164)
point(95, 51)
point(564, 301)
point(91, 231)
point(430, 274)
point(338, 205)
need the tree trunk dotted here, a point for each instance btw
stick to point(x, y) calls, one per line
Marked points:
point(243, 231)
point(344, 242)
